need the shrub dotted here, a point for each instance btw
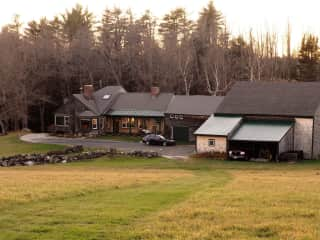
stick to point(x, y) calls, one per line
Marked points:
point(211, 155)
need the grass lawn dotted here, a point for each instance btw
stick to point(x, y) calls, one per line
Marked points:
point(135, 198)
point(11, 144)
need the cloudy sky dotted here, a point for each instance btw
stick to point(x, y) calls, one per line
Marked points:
point(241, 15)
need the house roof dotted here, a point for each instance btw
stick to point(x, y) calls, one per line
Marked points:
point(262, 131)
point(137, 102)
point(102, 99)
point(219, 126)
point(194, 105)
point(275, 98)
point(87, 114)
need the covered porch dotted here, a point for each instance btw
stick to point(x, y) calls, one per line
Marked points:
point(134, 122)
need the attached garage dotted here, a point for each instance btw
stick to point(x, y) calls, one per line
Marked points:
point(181, 134)
point(263, 139)
point(185, 114)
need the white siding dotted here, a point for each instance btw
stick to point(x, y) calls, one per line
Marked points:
point(303, 136)
point(203, 144)
point(286, 144)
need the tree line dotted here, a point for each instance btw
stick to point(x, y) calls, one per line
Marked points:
point(49, 60)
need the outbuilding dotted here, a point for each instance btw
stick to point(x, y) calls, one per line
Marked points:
point(275, 117)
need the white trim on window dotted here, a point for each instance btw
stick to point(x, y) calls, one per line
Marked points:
point(66, 120)
point(211, 142)
point(94, 123)
point(129, 122)
point(102, 123)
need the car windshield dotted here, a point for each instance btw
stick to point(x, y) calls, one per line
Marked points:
point(162, 137)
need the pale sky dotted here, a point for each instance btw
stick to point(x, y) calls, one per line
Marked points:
point(241, 15)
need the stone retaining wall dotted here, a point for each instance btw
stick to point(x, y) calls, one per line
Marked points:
point(70, 154)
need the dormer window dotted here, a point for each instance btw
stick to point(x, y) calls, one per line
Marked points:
point(106, 97)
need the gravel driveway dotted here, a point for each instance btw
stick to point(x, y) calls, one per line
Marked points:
point(180, 151)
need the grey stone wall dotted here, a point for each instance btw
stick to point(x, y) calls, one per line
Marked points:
point(303, 136)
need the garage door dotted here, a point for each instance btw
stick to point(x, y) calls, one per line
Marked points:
point(181, 134)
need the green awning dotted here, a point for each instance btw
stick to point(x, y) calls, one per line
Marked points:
point(262, 131)
point(135, 113)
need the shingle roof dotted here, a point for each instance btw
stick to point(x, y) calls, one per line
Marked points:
point(194, 105)
point(276, 99)
point(87, 114)
point(218, 126)
point(142, 102)
point(98, 105)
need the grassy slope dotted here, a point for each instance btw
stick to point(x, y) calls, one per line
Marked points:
point(128, 198)
point(10, 145)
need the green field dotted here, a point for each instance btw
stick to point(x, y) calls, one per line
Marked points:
point(132, 198)
point(11, 145)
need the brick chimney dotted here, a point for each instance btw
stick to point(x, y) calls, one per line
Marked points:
point(155, 91)
point(88, 91)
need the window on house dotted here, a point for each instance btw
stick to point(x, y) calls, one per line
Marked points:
point(94, 123)
point(129, 122)
point(142, 124)
point(102, 123)
point(212, 142)
point(85, 124)
point(62, 121)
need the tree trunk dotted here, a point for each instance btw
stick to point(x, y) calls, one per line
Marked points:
point(42, 112)
point(2, 128)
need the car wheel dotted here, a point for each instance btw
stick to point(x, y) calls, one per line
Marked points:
point(148, 143)
point(164, 144)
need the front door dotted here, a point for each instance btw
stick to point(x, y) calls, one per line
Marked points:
point(116, 125)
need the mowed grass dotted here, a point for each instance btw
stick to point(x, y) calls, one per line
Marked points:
point(11, 145)
point(137, 198)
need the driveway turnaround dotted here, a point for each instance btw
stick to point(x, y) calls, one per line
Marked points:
point(179, 151)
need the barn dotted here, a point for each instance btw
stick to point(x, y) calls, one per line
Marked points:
point(265, 118)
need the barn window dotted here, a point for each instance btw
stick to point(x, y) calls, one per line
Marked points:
point(212, 142)
point(94, 123)
point(62, 121)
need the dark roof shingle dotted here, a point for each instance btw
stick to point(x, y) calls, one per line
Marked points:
point(295, 99)
point(142, 101)
point(98, 105)
point(194, 105)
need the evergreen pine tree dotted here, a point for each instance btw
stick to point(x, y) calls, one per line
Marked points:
point(308, 61)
